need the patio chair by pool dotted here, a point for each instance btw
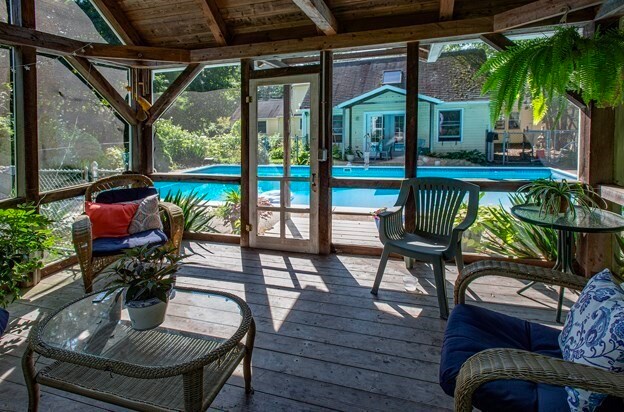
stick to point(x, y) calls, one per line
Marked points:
point(436, 238)
point(95, 255)
point(496, 362)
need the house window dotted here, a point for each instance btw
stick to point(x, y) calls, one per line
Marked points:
point(514, 120)
point(262, 126)
point(337, 127)
point(399, 128)
point(500, 123)
point(392, 77)
point(450, 125)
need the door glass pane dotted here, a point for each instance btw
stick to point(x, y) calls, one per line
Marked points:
point(268, 224)
point(297, 226)
point(269, 194)
point(299, 194)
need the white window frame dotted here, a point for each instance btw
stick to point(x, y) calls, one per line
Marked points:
point(461, 125)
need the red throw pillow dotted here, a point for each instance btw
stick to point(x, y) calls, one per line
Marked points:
point(110, 220)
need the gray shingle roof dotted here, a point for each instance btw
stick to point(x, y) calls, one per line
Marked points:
point(450, 78)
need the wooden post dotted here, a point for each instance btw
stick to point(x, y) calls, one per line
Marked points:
point(411, 127)
point(286, 139)
point(246, 68)
point(596, 167)
point(26, 99)
point(146, 131)
point(325, 141)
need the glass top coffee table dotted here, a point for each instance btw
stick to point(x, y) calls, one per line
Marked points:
point(180, 365)
point(592, 221)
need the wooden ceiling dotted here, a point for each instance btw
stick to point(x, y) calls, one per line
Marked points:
point(192, 24)
point(174, 32)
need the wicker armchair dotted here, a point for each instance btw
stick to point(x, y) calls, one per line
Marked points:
point(90, 265)
point(500, 364)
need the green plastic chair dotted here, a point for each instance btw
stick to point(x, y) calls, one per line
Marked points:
point(435, 238)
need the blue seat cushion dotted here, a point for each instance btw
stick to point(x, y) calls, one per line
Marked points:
point(107, 246)
point(125, 195)
point(471, 329)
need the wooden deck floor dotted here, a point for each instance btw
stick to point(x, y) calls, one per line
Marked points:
point(323, 342)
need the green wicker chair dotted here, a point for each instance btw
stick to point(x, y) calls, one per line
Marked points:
point(436, 238)
point(501, 363)
point(90, 265)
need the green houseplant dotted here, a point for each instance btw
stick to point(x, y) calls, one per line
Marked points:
point(560, 196)
point(197, 216)
point(148, 274)
point(24, 236)
point(545, 68)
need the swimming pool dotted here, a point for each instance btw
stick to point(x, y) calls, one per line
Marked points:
point(350, 198)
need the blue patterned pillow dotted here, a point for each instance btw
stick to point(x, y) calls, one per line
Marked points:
point(593, 335)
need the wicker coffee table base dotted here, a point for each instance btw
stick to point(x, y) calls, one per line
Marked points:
point(159, 388)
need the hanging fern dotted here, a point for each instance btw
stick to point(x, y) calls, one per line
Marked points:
point(545, 68)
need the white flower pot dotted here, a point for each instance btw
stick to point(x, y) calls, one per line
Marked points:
point(350, 158)
point(147, 314)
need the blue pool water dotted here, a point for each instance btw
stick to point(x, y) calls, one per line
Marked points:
point(357, 198)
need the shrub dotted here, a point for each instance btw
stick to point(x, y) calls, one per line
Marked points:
point(186, 149)
point(23, 233)
point(197, 217)
point(472, 156)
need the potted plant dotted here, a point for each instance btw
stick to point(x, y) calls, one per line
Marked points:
point(560, 196)
point(545, 68)
point(24, 236)
point(349, 154)
point(148, 274)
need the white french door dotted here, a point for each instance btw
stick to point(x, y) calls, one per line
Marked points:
point(284, 163)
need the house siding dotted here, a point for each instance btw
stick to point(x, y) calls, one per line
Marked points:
point(474, 125)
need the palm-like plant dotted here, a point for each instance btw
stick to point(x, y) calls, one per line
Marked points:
point(197, 216)
point(560, 196)
point(546, 68)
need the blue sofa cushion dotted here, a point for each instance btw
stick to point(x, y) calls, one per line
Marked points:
point(106, 246)
point(471, 329)
point(125, 195)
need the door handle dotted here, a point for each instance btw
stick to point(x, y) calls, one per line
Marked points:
point(314, 185)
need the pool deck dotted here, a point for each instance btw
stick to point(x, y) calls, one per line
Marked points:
point(323, 341)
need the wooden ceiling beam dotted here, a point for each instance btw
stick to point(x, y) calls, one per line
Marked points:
point(120, 23)
point(215, 21)
point(448, 30)
point(93, 76)
point(500, 42)
point(320, 14)
point(537, 11)
point(22, 36)
point(610, 8)
point(446, 9)
point(173, 91)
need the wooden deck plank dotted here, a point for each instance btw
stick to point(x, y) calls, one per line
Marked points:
point(323, 342)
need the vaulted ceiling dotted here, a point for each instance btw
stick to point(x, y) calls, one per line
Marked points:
point(193, 24)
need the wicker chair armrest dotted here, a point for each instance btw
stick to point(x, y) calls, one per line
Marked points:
point(391, 224)
point(173, 222)
point(514, 271)
point(496, 364)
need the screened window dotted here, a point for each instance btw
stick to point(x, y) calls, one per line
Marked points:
point(337, 128)
point(449, 125)
point(74, 19)
point(262, 127)
point(392, 77)
point(201, 129)
point(80, 137)
point(7, 131)
point(514, 120)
